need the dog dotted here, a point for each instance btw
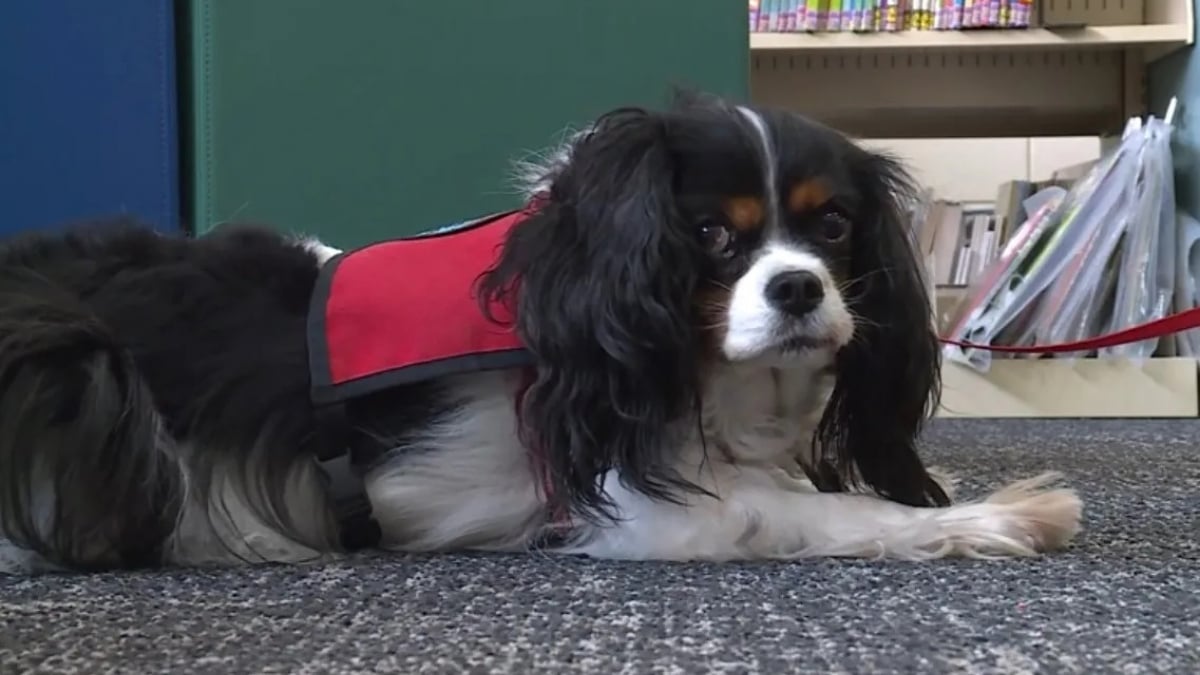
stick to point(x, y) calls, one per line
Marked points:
point(711, 341)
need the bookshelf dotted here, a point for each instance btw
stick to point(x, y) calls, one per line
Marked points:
point(1126, 36)
point(1080, 72)
point(974, 108)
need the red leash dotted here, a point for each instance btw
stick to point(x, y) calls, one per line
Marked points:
point(1173, 323)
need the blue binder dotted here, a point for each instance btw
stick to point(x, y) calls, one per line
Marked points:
point(88, 113)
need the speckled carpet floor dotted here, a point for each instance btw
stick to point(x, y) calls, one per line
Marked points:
point(1125, 599)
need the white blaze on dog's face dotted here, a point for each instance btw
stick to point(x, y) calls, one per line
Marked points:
point(786, 306)
point(787, 251)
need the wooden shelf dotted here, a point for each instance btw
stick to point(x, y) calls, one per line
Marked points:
point(952, 93)
point(1156, 35)
point(1072, 388)
point(1044, 81)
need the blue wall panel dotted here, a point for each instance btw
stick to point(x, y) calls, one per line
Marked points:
point(88, 114)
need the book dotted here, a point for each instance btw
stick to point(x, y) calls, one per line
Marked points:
point(868, 16)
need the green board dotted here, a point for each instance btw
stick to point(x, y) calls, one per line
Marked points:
point(363, 119)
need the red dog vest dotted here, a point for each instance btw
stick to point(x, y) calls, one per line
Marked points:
point(406, 310)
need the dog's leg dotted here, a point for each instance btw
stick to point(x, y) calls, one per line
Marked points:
point(755, 517)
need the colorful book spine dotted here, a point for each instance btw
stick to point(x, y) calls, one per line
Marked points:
point(811, 9)
point(1024, 12)
point(787, 16)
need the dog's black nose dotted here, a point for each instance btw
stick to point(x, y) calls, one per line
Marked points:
point(797, 292)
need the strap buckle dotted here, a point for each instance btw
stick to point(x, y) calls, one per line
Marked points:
point(348, 498)
point(344, 486)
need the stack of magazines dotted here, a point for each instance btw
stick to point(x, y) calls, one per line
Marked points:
point(1091, 259)
point(787, 16)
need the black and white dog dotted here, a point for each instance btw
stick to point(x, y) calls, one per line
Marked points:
point(730, 348)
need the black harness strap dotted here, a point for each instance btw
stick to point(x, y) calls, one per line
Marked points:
point(341, 456)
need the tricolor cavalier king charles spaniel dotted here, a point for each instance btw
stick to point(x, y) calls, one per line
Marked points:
point(731, 355)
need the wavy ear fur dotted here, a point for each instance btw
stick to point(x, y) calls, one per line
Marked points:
point(611, 333)
point(889, 378)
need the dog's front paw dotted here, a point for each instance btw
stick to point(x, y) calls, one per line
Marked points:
point(1024, 518)
point(1045, 518)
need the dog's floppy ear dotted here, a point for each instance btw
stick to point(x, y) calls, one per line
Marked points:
point(888, 378)
point(602, 291)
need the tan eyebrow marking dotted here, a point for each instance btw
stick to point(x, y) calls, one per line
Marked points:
point(745, 213)
point(808, 195)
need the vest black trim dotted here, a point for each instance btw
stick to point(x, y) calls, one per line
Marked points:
point(342, 453)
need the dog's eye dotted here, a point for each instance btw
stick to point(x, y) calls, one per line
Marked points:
point(834, 225)
point(716, 237)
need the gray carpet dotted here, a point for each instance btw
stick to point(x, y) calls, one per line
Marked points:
point(1125, 599)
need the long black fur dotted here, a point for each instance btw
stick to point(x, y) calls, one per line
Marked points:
point(602, 278)
point(77, 430)
point(888, 378)
point(129, 359)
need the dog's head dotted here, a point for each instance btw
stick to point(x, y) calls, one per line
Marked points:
point(668, 242)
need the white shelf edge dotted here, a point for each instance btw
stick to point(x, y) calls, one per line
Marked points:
point(1072, 388)
point(1115, 36)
